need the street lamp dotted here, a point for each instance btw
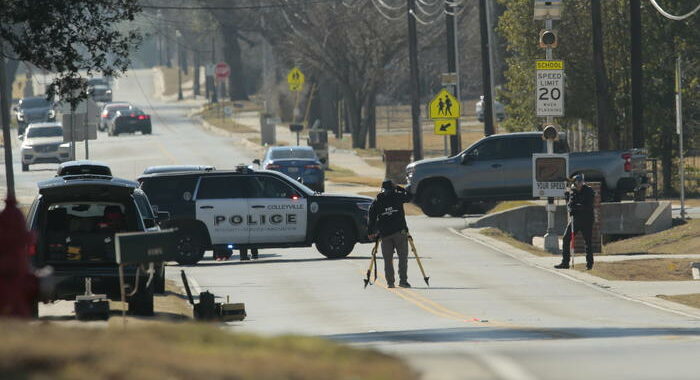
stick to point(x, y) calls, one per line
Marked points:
point(178, 35)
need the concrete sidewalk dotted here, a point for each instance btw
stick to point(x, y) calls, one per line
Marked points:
point(641, 291)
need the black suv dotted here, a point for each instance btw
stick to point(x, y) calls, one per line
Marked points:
point(75, 219)
point(242, 209)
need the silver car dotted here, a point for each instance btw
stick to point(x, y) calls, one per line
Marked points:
point(43, 143)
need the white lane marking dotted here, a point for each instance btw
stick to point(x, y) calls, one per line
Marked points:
point(572, 278)
point(503, 367)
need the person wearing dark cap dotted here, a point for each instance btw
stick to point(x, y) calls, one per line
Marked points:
point(580, 207)
point(387, 222)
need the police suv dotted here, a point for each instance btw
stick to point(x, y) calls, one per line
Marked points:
point(241, 209)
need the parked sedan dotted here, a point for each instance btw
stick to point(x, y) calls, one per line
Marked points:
point(108, 111)
point(35, 109)
point(299, 162)
point(42, 144)
point(129, 121)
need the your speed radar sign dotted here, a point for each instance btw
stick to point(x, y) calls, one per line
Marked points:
point(550, 88)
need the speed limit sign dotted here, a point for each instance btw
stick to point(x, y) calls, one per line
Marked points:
point(550, 88)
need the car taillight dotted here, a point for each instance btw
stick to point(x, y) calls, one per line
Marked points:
point(272, 166)
point(295, 197)
point(628, 161)
point(31, 249)
point(314, 166)
point(133, 115)
point(105, 114)
point(142, 117)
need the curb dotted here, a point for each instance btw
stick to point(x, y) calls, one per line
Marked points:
point(590, 281)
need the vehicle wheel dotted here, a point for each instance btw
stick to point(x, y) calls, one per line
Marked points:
point(146, 131)
point(25, 167)
point(189, 248)
point(159, 280)
point(436, 200)
point(336, 239)
point(141, 303)
point(459, 209)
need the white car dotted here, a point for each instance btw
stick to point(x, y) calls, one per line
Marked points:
point(43, 143)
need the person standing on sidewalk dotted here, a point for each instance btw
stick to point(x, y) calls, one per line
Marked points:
point(387, 221)
point(580, 209)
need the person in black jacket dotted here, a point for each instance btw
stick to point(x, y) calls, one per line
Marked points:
point(388, 222)
point(580, 209)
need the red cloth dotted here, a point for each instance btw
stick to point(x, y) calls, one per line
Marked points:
point(19, 287)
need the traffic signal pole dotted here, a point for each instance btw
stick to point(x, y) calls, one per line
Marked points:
point(551, 239)
point(487, 104)
point(453, 67)
point(415, 83)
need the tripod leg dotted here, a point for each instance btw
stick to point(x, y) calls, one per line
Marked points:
point(420, 265)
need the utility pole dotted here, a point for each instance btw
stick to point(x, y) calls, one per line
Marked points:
point(453, 67)
point(7, 139)
point(179, 65)
point(214, 95)
point(679, 130)
point(486, 71)
point(636, 77)
point(415, 83)
point(601, 78)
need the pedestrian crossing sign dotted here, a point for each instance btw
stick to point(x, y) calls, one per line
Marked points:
point(446, 127)
point(295, 79)
point(444, 106)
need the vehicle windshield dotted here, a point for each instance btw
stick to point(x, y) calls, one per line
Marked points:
point(35, 102)
point(278, 154)
point(97, 82)
point(45, 132)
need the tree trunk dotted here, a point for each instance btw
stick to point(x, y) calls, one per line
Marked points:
point(195, 86)
point(354, 119)
point(371, 119)
point(601, 78)
point(232, 56)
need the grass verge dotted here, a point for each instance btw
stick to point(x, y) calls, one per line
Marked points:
point(683, 239)
point(433, 145)
point(692, 300)
point(344, 175)
point(214, 116)
point(641, 270)
point(506, 238)
point(507, 205)
point(181, 351)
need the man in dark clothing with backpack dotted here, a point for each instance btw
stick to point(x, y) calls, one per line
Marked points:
point(387, 221)
point(580, 208)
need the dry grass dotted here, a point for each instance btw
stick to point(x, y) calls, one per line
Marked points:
point(170, 79)
point(181, 351)
point(641, 270)
point(433, 145)
point(18, 86)
point(506, 238)
point(692, 300)
point(343, 175)
point(683, 239)
point(408, 208)
point(214, 116)
point(507, 205)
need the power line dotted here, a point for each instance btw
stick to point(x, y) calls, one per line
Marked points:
point(234, 7)
point(672, 17)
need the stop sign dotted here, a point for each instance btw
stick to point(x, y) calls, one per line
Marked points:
point(222, 70)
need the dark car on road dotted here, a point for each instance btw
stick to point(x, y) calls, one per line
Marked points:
point(298, 162)
point(35, 109)
point(241, 209)
point(75, 219)
point(129, 121)
point(99, 89)
point(108, 111)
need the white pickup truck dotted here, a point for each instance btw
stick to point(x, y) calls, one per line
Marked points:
point(499, 167)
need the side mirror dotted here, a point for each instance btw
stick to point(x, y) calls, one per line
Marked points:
point(256, 162)
point(323, 160)
point(149, 223)
point(162, 216)
point(468, 157)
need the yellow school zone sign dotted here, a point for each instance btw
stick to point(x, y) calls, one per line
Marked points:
point(295, 78)
point(444, 106)
point(446, 127)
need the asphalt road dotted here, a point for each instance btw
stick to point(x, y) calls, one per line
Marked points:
point(486, 314)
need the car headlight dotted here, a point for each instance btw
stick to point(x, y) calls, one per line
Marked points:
point(20, 116)
point(108, 91)
point(26, 147)
point(65, 145)
point(364, 206)
point(52, 114)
